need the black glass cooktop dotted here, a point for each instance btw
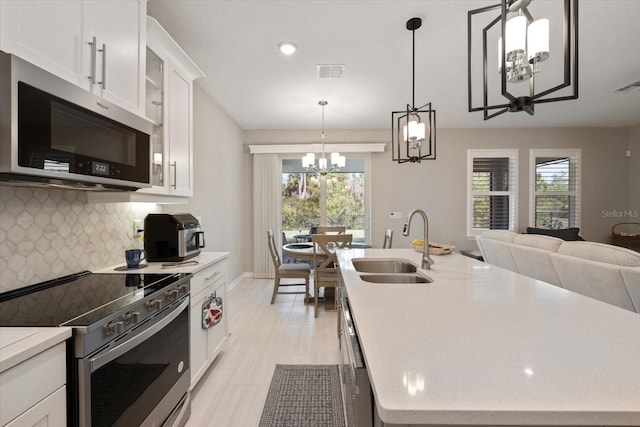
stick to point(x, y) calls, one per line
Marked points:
point(79, 299)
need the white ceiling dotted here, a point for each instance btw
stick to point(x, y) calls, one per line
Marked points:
point(234, 43)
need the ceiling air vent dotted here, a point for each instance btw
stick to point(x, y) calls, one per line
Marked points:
point(330, 71)
point(629, 87)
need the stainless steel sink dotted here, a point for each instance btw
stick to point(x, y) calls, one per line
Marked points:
point(367, 265)
point(395, 278)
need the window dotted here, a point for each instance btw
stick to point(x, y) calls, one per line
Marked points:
point(492, 190)
point(555, 188)
point(339, 198)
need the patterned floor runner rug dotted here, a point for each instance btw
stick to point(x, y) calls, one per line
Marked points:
point(304, 395)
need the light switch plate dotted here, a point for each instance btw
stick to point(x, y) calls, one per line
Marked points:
point(395, 215)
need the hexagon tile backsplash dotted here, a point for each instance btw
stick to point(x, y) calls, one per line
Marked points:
point(45, 234)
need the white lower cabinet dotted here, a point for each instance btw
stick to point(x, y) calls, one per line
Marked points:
point(33, 393)
point(207, 343)
point(50, 412)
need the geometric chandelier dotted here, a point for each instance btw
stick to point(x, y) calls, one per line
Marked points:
point(413, 131)
point(515, 47)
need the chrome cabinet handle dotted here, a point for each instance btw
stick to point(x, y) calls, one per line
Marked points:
point(92, 77)
point(103, 83)
point(175, 174)
point(212, 276)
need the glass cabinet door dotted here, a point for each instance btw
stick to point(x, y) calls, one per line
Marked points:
point(154, 110)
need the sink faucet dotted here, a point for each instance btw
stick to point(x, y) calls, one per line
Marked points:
point(427, 262)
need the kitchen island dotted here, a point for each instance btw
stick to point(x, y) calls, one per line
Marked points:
point(485, 346)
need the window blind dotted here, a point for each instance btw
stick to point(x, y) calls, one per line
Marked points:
point(556, 195)
point(492, 188)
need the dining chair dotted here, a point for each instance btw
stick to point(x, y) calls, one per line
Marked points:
point(325, 261)
point(326, 229)
point(287, 271)
point(388, 239)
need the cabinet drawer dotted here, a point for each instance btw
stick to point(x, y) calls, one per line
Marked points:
point(205, 278)
point(28, 383)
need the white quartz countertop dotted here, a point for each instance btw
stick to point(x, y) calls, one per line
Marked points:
point(18, 344)
point(203, 260)
point(482, 345)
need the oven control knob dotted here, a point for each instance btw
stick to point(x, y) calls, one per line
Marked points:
point(132, 317)
point(154, 304)
point(114, 328)
point(183, 289)
point(171, 295)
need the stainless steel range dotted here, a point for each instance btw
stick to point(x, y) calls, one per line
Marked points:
point(129, 354)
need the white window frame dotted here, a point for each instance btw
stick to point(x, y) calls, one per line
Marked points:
point(555, 152)
point(512, 154)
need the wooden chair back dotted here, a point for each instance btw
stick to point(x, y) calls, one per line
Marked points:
point(326, 261)
point(324, 249)
point(275, 257)
point(388, 239)
point(335, 229)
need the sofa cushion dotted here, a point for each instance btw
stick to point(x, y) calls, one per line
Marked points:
point(570, 234)
point(502, 235)
point(536, 263)
point(631, 277)
point(494, 246)
point(598, 280)
point(547, 243)
point(601, 252)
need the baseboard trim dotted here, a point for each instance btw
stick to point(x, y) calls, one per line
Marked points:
point(246, 274)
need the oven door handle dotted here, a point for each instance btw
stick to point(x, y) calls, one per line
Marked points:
point(110, 354)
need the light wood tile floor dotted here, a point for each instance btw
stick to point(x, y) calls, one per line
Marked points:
point(233, 391)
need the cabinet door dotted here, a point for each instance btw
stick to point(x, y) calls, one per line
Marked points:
point(120, 27)
point(218, 333)
point(198, 338)
point(49, 412)
point(49, 34)
point(180, 143)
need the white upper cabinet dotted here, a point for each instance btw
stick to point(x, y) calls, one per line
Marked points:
point(120, 31)
point(59, 36)
point(48, 34)
point(180, 129)
point(169, 103)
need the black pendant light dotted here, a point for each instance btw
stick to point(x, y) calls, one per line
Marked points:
point(413, 131)
point(524, 36)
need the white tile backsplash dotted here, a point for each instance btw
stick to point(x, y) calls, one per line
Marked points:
point(45, 234)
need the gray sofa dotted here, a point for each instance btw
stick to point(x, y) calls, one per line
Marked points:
point(604, 272)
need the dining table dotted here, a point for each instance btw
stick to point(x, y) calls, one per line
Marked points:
point(304, 252)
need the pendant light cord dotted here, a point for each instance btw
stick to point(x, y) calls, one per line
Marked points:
point(413, 70)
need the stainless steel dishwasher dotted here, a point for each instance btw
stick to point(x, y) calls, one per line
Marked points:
point(356, 388)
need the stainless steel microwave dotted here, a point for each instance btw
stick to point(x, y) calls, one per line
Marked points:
point(53, 133)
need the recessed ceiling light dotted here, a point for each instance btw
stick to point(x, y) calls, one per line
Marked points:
point(288, 48)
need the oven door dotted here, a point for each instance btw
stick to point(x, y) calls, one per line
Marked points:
point(141, 377)
point(356, 389)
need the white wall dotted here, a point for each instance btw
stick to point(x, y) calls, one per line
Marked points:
point(634, 171)
point(222, 184)
point(439, 186)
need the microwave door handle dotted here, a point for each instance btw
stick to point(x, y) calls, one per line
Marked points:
point(200, 239)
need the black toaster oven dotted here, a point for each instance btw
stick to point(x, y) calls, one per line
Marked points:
point(172, 237)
